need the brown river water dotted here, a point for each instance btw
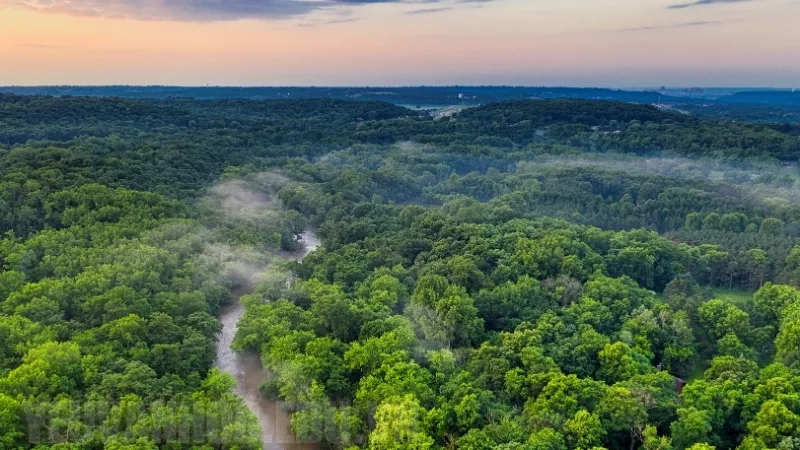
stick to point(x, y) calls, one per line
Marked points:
point(246, 368)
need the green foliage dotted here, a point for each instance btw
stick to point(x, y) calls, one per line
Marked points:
point(514, 277)
point(398, 426)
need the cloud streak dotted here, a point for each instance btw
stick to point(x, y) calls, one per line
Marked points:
point(184, 10)
point(315, 23)
point(675, 26)
point(42, 46)
point(705, 3)
point(197, 10)
point(428, 10)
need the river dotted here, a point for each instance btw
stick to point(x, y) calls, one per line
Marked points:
point(246, 368)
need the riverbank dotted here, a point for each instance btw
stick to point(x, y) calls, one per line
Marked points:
point(246, 368)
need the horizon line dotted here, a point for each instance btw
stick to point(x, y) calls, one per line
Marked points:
point(393, 86)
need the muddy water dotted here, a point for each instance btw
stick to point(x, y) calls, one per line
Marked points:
point(247, 370)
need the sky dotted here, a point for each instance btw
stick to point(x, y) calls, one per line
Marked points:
point(614, 43)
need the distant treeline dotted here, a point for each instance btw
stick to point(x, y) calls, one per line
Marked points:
point(421, 95)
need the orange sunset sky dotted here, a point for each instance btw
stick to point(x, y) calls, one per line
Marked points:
point(621, 43)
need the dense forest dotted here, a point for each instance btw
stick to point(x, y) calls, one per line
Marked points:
point(530, 274)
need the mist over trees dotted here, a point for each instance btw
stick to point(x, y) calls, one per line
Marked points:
point(550, 274)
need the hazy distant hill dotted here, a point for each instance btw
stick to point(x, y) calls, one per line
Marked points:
point(761, 105)
point(420, 95)
point(771, 97)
